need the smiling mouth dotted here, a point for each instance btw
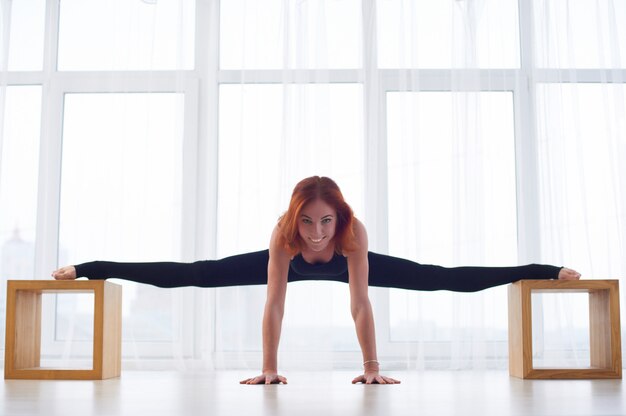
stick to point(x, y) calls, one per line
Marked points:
point(316, 241)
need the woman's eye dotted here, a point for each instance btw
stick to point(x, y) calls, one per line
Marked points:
point(326, 221)
point(306, 221)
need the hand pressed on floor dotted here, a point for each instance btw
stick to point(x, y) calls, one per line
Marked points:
point(373, 377)
point(270, 378)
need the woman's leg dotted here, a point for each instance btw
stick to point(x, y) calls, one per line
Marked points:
point(388, 271)
point(242, 269)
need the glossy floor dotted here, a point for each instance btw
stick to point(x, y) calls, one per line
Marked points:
point(313, 393)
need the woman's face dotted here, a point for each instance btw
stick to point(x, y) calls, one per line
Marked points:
point(316, 224)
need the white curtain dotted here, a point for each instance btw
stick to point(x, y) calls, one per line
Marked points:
point(19, 138)
point(272, 134)
point(581, 135)
point(471, 132)
point(454, 87)
point(524, 170)
point(451, 167)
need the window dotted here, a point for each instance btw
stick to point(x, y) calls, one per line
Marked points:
point(121, 193)
point(580, 139)
point(263, 152)
point(441, 167)
point(126, 35)
point(176, 129)
point(291, 34)
point(576, 34)
point(468, 34)
point(19, 158)
point(451, 200)
point(26, 34)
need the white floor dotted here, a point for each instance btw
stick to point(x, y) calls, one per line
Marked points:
point(313, 393)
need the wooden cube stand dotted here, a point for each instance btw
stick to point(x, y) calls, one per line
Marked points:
point(23, 329)
point(604, 328)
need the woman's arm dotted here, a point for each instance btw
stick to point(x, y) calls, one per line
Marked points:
point(277, 272)
point(358, 269)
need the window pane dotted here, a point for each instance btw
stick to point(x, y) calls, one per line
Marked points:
point(121, 193)
point(19, 169)
point(26, 36)
point(272, 136)
point(451, 197)
point(580, 34)
point(581, 131)
point(126, 35)
point(270, 34)
point(447, 34)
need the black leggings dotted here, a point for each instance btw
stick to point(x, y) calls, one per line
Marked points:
point(251, 269)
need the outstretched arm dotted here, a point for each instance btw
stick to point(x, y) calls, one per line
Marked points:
point(362, 311)
point(277, 270)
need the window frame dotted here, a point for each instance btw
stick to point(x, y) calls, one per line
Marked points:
point(200, 148)
point(55, 85)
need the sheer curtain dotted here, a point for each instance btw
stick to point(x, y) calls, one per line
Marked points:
point(465, 132)
point(451, 140)
point(581, 135)
point(511, 157)
point(460, 104)
point(95, 161)
point(125, 163)
point(20, 123)
point(286, 115)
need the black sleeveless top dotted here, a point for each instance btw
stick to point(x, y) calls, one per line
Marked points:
point(337, 266)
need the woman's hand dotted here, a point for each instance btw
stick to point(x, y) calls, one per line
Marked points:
point(270, 378)
point(373, 377)
point(568, 274)
point(65, 273)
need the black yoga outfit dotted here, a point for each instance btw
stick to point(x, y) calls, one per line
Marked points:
point(251, 269)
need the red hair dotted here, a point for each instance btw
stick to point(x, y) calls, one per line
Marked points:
point(306, 191)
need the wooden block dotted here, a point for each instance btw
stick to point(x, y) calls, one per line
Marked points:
point(520, 323)
point(604, 327)
point(112, 334)
point(27, 315)
point(600, 329)
point(23, 329)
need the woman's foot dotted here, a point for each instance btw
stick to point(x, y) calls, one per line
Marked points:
point(65, 273)
point(568, 274)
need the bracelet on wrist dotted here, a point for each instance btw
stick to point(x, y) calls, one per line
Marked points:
point(370, 361)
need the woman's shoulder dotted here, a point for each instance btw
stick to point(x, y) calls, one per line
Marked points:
point(276, 239)
point(360, 232)
point(277, 244)
point(360, 238)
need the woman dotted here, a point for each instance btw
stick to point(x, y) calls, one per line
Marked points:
point(318, 238)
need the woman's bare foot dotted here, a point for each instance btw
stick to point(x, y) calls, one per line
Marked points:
point(568, 274)
point(65, 273)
